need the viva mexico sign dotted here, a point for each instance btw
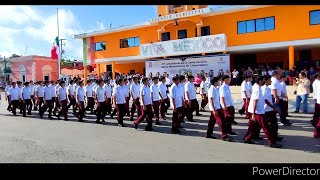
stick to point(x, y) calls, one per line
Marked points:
point(197, 45)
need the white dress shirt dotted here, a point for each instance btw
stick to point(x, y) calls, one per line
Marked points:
point(203, 87)
point(119, 94)
point(175, 93)
point(145, 92)
point(245, 89)
point(189, 87)
point(89, 90)
point(224, 91)
point(283, 89)
point(275, 84)
point(126, 90)
point(99, 91)
point(257, 95)
point(163, 90)
point(31, 89)
point(155, 92)
point(213, 93)
point(62, 93)
point(53, 90)
point(266, 91)
point(135, 90)
point(181, 87)
point(26, 93)
point(108, 90)
point(40, 90)
point(57, 86)
point(71, 89)
point(14, 93)
point(48, 93)
point(314, 86)
point(80, 94)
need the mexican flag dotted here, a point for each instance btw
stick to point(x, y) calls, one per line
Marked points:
point(55, 49)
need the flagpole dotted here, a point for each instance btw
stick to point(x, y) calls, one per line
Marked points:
point(60, 47)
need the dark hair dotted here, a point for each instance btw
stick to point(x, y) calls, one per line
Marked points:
point(51, 82)
point(181, 77)
point(31, 81)
point(99, 81)
point(19, 82)
point(80, 82)
point(190, 76)
point(135, 77)
point(144, 80)
point(120, 80)
point(303, 74)
point(26, 83)
point(88, 81)
point(214, 80)
point(61, 82)
point(162, 78)
point(258, 78)
point(46, 82)
point(175, 78)
point(283, 76)
point(203, 78)
point(225, 77)
point(155, 78)
point(71, 81)
point(267, 77)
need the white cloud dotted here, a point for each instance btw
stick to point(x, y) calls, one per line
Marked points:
point(25, 28)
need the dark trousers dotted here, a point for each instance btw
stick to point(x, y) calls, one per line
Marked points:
point(263, 123)
point(146, 113)
point(64, 109)
point(40, 103)
point(108, 106)
point(229, 118)
point(220, 120)
point(101, 111)
point(135, 106)
point(26, 104)
point(245, 106)
point(279, 105)
point(121, 112)
point(193, 106)
point(285, 108)
point(80, 114)
point(33, 102)
point(177, 117)
point(15, 104)
point(9, 108)
point(72, 102)
point(315, 121)
point(47, 105)
point(204, 101)
point(127, 106)
point(57, 105)
point(164, 106)
point(90, 104)
point(271, 117)
point(156, 110)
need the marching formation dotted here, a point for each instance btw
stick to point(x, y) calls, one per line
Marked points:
point(152, 97)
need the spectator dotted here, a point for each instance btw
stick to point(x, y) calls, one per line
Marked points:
point(303, 91)
point(235, 76)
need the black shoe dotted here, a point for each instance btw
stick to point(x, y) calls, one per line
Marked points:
point(229, 139)
point(59, 118)
point(248, 142)
point(191, 120)
point(50, 117)
point(232, 133)
point(136, 126)
point(81, 120)
point(258, 138)
point(122, 125)
point(24, 115)
point(287, 123)
point(313, 123)
point(148, 129)
point(296, 111)
point(175, 131)
point(288, 116)
point(240, 112)
point(279, 138)
point(103, 120)
point(66, 119)
point(183, 121)
point(92, 112)
point(98, 122)
point(111, 116)
point(158, 123)
point(210, 137)
point(199, 114)
point(29, 114)
point(275, 145)
point(235, 122)
point(180, 127)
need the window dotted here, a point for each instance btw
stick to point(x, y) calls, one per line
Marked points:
point(130, 42)
point(256, 25)
point(165, 36)
point(314, 17)
point(182, 34)
point(205, 31)
point(100, 46)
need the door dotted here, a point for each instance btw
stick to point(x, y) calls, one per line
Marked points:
point(244, 61)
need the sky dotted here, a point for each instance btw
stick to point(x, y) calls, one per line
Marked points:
point(31, 30)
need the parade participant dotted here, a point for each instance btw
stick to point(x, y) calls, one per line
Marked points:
point(48, 101)
point(80, 97)
point(8, 86)
point(168, 81)
point(204, 92)
point(226, 103)
point(71, 96)
point(165, 102)
point(31, 89)
point(19, 83)
point(246, 94)
point(126, 90)
point(108, 90)
point(155, 99)
point(100, 101)
point(26, 97)
point(13, 96)
point(191, 99)
point(57, 104)
point(216, 115)
point(181, 86)
point(89, 95)
point(40, 94)
point(119, 101)
point(135, 94)
point(146, 104)
point(316, 91)
point(284, 95)
point(116, 84)
point(177, 104)
point(35, 105)
point(256, 109)
point(62, 97)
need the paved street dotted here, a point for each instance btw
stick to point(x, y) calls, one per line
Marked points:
point(41, 140)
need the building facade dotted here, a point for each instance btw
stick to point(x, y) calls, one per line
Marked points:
point(252, 34)
point(35, 68)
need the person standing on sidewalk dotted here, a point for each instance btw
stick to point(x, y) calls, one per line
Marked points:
point(303, 91)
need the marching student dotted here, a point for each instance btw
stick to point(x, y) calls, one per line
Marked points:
point(126, 90)
point(146, 104)
point(284, 95)
point(80, 97)
point(89, 95)
point(216, 115)
point(100, 101)
point(181, 86)
point(177, 104)
point(108, 90)
point(226, 103)
point(316, 113)
point(31, 89)
point(71, 96)
point(19, 83)
point(116, 84)
point(36, 100)
point(62, 97)
point(13, 97)
point(26, 97)
point(256, 108)
point(119, 101)
point(246, 94)
point(165, 102)
point(53, 94)
point(8, 86)
point(39, 95)
point(48, 103)
point(204, 92)
point(155, 99)
point(57, 104)
point(191, 99)
point(168, 81)
point(135, 94)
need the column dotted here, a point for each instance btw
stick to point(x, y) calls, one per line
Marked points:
point(198, 30)
point(291, 57)
point(98, 69)
point(159, 35)
point(85, 73)
point(113, 70)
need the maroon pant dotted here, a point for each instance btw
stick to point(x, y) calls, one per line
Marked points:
point(156, 110)
point(164, 106)
point(245, 107)
point(271, 117)
point(204, 101)
point(316, 121)
point(135, 106)
point(193, 106)
point(220, 120)
point(229, 118)
point(177, 117)
point(264, 124)
point(147, 113)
